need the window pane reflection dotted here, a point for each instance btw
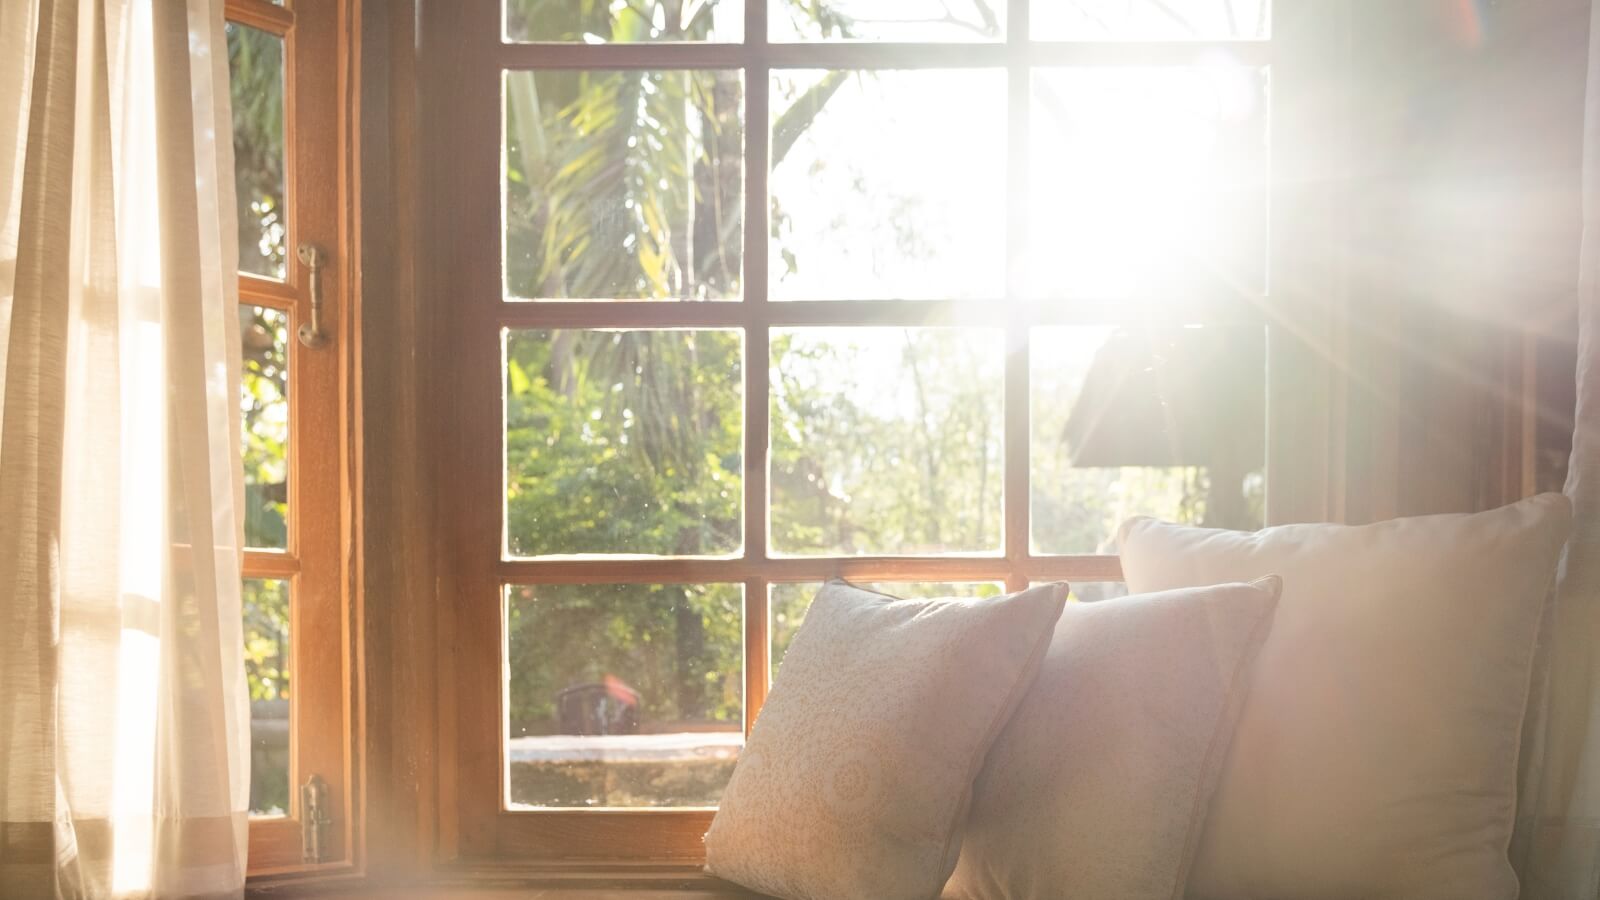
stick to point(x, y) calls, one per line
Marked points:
point(886, 20)
point(624, 185)
point(623, 695)
point(875, 196)
point(1165, 422)
point(886, 440)
point(266, 660)
point(264, 407)
point(623, 442)
point(1148, 183)
point(638, 21)
point(255, 69)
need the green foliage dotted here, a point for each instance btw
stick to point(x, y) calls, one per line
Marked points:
point(679, 646)
point(623, 442)
point(624, 185)
point(264, 415)
point(886, 440)
point(266, 661)
point(266, 638)
point(609, 21)
point(256, 70)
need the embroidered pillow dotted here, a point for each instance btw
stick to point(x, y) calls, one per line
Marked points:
point(858, 772)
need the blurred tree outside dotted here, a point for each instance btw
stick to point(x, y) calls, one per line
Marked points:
point(256, 74)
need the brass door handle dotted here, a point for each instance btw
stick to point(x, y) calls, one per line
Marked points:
point(311, 333)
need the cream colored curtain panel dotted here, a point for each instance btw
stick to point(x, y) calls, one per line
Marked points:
point(124, 719)
point(1557, 847)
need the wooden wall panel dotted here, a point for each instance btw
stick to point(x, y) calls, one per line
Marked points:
point(1467, 131)
point(399, 543)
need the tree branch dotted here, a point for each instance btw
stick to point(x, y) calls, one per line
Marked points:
point(799, 116)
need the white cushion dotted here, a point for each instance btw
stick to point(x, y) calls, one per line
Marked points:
point(1100, 784)
point(858, 772)
point(1376, 755)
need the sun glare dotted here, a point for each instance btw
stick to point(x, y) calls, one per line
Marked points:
point(1147, 182)
point(1144, 183)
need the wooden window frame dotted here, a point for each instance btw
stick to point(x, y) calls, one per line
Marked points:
point(462, 60)
point(318, 559)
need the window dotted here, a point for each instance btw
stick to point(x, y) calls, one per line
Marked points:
point(285, 136)
point(750, 295)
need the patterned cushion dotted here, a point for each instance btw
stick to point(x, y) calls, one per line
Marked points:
point(858, 773)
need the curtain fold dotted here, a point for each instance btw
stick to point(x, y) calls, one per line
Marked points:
point(1557, 846)
point(124, 719)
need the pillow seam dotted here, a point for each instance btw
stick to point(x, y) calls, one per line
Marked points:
point(1550, 607)
point(1201, 806)
point(1002, 716)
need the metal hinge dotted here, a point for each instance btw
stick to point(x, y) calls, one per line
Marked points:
point(316, 821)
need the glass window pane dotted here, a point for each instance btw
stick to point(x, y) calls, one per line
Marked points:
point(637, 21)
point(624, 185)
point(255, 70)
point(624, 442)
point(876, 196)
point(1148, 182)
point(1165, 422)
point(266, 661)
point(788, 604)
point(886, 440)
point(264, 404)
point(886, 20)
point(623, 694)
point(1151, 20)
point(1090, 591)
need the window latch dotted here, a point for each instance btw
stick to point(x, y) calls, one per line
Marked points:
point(311, 333)
point(316, 821)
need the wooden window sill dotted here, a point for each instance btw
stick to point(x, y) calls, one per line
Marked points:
point(519, 882)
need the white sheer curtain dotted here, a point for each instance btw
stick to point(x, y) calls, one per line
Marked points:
point(1557, 848)
point(124, 720)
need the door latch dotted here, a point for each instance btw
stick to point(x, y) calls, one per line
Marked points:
point(311, 333)
point(316, 821)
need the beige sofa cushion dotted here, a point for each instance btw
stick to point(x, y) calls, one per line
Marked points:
point(858, 773)
point(1376, 755)
point(1100, 784)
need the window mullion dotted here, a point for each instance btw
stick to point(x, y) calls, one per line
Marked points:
point(757, 342)
point(1016, 385)
point(757, 644)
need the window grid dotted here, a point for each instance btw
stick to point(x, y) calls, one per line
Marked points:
point(674, 833)
point(273, 832)
point(756, 315)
